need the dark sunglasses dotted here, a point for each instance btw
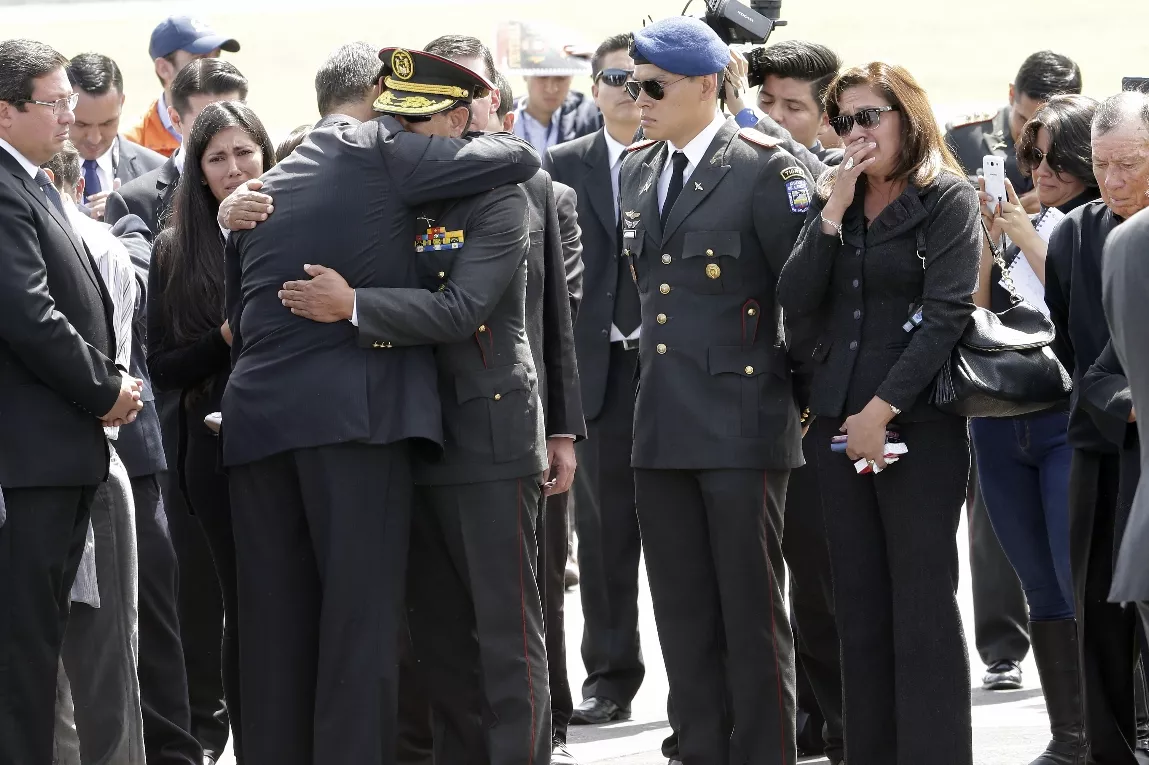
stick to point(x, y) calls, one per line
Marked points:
point(866, 119)
point(652, 88)
point(616, 78)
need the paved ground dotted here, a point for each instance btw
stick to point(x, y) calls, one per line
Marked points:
point(1009, 727)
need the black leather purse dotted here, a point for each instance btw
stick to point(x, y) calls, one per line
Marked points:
point(1004, 365)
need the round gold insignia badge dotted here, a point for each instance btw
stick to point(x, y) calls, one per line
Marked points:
point(402, 65)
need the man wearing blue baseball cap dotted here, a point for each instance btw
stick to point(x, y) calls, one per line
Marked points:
point(176, 41)
point(709, 214)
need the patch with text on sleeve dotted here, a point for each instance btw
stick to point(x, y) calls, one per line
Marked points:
point(799, 193)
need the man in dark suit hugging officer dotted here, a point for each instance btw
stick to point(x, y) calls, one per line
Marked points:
point(709, 216)
point(473, 604)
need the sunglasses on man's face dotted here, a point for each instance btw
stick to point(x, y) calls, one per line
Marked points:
point(652, 88)
point(616, 78)
point(866, 119)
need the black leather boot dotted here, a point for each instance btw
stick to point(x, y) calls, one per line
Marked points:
point(1056, 651)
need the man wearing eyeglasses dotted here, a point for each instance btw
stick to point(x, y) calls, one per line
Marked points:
point(606, 337)
point(58, 388)
point(709, 215)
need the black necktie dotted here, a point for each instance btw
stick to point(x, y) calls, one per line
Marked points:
point(679, 160)
point(627, 314)
point(91, 178)
point(45, 183)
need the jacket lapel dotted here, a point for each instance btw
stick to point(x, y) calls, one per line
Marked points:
point(37, 194)
point(648, 195)
point(599, 184)
point(704, 178)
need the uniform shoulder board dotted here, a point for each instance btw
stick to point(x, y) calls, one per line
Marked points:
point(641, 144)
point(757, 136)
point(971, 119)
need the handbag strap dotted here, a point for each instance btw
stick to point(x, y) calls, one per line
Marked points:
point(999, 259)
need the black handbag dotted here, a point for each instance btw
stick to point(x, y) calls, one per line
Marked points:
point(1003, 365)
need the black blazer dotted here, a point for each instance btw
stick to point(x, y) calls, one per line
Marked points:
point(148, 196)
point(715, 388)
point(584, 165)
point(57, 376)
point(472, 307)
point(140, 444)
point(346, 194)
point(862, 292)
point(554, 293)
point(134, 160)
point(1125, 280)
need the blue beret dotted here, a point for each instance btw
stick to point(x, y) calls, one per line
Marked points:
point(681, 45)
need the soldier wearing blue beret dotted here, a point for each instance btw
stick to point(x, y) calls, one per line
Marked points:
point(709, 215)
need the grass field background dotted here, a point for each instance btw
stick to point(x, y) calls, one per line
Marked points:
point(965, 53)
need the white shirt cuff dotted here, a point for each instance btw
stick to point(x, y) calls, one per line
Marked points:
point(564, 435)
point(355, 311)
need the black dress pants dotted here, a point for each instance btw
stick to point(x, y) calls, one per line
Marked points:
point(321, 545)
point(41, 543)
point(1108, 631)
point(807, 553)
point(163, 677)
point(893, 547)
point(609, 545)
point(476, 621)
point(554, 531)
point(713, 544)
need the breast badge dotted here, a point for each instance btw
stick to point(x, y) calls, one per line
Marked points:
point(713, 271)
point(439, 238)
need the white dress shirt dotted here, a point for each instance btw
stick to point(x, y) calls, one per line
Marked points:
point(29, 167)
point(695, 152)
point(106, 168)
point(615, 151)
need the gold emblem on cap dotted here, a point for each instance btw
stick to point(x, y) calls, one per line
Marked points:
point(402, 64)
point(713, 271)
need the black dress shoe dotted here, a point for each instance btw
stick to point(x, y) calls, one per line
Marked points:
point(560, 755)
point(1002, 676)
point(597, 710)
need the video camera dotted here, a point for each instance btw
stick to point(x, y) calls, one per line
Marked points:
point(738, 23)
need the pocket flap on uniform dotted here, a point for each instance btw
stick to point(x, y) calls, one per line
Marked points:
point(734, 359)
point(489, 383)
point(712, 244)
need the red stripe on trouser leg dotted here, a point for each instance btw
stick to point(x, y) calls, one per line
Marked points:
point(523, 612)
point(773, 624)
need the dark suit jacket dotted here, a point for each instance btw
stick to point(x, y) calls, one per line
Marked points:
point(135, 160)
point(715, 389)
point(56, 344)
point(584, 165)
point(865, 288)
point(554, 292)
point(972, 140)
point(140, 444)
point(346, 195)
point(149, 197)
point(1125, 280)
point(472, 307)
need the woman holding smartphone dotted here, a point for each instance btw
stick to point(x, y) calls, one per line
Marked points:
point(1024, 461)
point(189, 341)
point(893, 233)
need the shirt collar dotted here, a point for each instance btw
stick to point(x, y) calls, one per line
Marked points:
point(178, 160)
point(29, 167)
point(162, 110)
point(106, 161)
point(695, 151)
point(614, 149)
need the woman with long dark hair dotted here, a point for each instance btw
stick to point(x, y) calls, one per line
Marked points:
point(893, 234)
point(1023, 461)
point(189, 341)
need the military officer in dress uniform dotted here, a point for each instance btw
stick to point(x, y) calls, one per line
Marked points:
point(709, 215)
point(473, 604)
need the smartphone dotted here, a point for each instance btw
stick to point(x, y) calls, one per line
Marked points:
point(1135, 83)
point(993, 170)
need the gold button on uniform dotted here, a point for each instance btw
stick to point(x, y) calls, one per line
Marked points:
point(442, 274)
point(666, 259)
point(482, 327)
point(749, 370)
point(751, 311)
point(661, 348)
point(713, 271)
point(664, 289)
point(710, 253)
point(498, 396)
point(661, 318)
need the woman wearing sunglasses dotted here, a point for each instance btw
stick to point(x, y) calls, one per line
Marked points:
point(1024, 461)
point(893, 235)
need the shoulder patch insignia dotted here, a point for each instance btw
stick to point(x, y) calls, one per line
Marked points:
point(792, 172)
point(971, 119)
point(799, 193)
point(641, 144)
point(758, 137)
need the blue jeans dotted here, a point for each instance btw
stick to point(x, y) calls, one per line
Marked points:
point(1023, 465)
